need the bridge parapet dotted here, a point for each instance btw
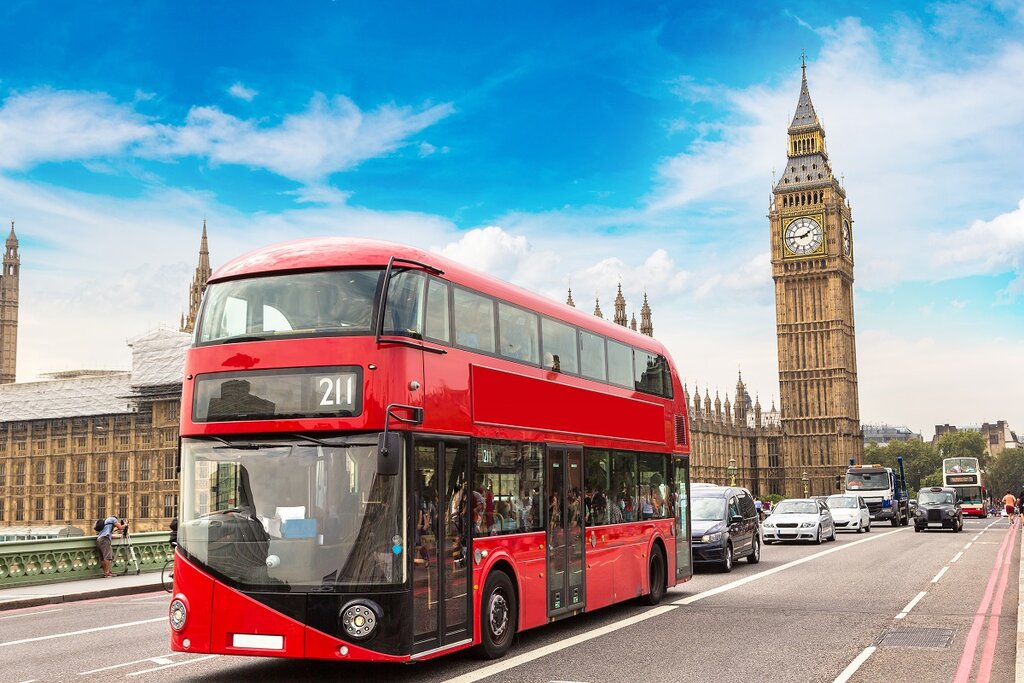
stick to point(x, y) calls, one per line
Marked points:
point(26, 563)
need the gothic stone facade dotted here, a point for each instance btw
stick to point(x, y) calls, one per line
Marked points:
point(85, 445)
point(9, 278)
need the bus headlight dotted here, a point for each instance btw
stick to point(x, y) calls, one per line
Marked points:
point(359, 620)
point(177, 614)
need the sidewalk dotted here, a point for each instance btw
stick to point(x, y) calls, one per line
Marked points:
point(85, 589)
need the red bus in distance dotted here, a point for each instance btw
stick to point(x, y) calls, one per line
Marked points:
point(388, 456)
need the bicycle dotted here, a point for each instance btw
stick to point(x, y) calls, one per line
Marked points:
point(167, 575)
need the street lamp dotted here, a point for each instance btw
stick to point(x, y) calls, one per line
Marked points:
point(807, 483)
point(731, 469)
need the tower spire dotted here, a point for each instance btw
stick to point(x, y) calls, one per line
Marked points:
point(199, 280)
point(646, 326)
point(620, 308)
point(569, 301)
point(9, 278)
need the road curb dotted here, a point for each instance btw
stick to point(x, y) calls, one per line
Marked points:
point(1020, 613)
point(115, 591)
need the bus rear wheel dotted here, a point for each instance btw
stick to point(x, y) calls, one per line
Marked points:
point(499, 615)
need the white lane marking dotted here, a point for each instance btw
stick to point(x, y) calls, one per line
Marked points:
point(774, 570)
point(957, 557)
point(854, 665)
point(168, 666)
point(32, 614)
point(910, 605)
point(513, 662)
point(977, 536)
point(939, 575)
point(967, 546)
point(155, 660)
point(78, 633)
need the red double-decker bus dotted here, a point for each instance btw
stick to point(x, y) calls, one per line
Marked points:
point(388, 456)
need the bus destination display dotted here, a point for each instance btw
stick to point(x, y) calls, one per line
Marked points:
point(278, 394)
point(957, 479)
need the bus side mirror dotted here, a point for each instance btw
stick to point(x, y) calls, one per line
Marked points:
point(389, 452)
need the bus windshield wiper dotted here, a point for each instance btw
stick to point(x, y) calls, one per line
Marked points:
point(242, 338)
point(327, 444)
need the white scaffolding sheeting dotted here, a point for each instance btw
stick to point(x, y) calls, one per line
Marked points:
point(158, 357)
point(60, 398)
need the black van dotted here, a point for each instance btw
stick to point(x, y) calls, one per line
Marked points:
point(725, 525)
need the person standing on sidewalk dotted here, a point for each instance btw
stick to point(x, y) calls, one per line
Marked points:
point(103, 542)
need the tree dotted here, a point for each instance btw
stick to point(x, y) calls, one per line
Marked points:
point(964, 445)
point(933, 479)
point(1006, 473)
point(919, 460)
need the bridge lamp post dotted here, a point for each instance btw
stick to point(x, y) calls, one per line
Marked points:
point(731, 469)
point(807, 483)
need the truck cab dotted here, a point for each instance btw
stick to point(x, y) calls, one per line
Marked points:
point(883, 490)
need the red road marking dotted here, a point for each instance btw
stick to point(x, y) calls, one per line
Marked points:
point(988, 654)
point(963, 671)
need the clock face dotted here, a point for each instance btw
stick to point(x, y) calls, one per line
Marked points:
point(803, 236)
point(847, 245)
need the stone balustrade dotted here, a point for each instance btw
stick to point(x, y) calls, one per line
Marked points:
point(25, 563)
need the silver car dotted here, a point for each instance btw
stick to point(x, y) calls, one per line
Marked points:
point(849, 512)
point(799, 519)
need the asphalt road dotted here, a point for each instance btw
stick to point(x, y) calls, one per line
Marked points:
point(890, 605)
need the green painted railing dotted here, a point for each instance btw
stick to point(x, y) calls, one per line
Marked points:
point(24, 563)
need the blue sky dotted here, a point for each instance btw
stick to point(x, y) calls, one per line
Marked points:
point(552, 144)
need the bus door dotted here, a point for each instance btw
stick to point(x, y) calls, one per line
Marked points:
point(441, 570)
point(566, 590)
point(681, 477)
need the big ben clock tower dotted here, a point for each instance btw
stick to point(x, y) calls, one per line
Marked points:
point(812, 265)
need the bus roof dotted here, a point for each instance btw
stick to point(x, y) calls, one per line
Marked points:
point(320, 253)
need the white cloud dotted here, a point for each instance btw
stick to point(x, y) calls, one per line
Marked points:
point(331, 135)
point(46, 125)
point(241, 92)
point(993, 246)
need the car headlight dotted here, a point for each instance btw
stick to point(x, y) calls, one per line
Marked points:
point(768, 525)
point(807, 525)
point(711, 538)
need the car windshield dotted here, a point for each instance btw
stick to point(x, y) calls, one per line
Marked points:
point(867, 481)
point(933, 497)
point(796, 507)
point(292, 514)
point(842, 502)
point(297, 304)
point(708, 509)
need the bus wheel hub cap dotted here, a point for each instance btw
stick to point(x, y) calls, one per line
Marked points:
point(499, 615)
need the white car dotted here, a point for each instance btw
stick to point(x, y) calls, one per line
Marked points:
point(849, 512)
point(799, 519)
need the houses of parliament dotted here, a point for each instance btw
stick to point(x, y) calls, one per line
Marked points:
point(83, 444)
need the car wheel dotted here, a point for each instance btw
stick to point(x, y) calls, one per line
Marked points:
point(820, 538)
point(860, 528)
point(755, 555)
point(726, 565)
point(833, 536)
point(868, 527)
point(499, 616)
point(656, 574)
point(917, 529)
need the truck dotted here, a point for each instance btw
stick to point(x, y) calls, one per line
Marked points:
point(883, 489)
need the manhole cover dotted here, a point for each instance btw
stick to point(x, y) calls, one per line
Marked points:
point(917, 637)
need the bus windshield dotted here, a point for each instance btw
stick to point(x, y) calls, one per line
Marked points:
point(296, 304)
point(292, 514)
point(970, 494)
point(867, 481)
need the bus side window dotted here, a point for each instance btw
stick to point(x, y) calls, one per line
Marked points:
point(404, 312)
point(474, 321)
point(438, 319)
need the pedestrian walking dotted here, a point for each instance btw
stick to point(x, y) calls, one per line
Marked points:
point(103, 543)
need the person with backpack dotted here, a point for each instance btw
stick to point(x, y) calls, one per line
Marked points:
point(106, 527)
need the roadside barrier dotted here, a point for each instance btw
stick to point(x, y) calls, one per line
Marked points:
point(27, 563)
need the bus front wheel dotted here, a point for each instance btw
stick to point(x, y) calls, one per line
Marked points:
point(499, 615)
point(656, 574)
